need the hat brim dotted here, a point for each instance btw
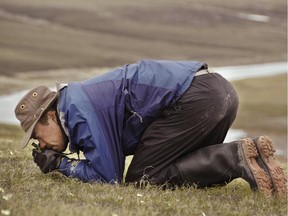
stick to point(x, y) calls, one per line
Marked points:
point(28, 134)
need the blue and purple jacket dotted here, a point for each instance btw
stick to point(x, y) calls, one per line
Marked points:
point(92, 113)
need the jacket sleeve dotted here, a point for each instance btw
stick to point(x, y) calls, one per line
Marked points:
point(88, 131)
point(98, 165)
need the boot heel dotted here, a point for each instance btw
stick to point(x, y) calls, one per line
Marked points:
point(259, 176)
point(266, 153)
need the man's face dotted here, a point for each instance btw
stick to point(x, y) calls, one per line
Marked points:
point(50, 136)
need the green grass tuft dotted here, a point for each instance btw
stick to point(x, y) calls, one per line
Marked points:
point(24, 190)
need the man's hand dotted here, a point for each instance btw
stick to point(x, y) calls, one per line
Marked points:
point(46, 160)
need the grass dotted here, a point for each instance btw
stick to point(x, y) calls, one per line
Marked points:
point(24, 190)
point(265, 100)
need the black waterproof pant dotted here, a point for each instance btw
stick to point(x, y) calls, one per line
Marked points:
point(200, 119)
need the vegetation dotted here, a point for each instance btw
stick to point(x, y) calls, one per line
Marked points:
point(24, 190)
point(265, 100)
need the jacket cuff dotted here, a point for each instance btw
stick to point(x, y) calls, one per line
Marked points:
point(64, 166)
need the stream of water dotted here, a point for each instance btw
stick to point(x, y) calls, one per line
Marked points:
point(8, 102)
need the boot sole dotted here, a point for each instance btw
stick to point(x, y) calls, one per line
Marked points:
point(261, 178)
point(266, 153)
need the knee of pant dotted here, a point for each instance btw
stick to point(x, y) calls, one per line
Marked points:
point(173, 176)
point(131, 176)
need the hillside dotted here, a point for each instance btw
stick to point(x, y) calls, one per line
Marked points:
point(39, 35)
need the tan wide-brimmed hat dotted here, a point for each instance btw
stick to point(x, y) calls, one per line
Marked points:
point(31, 107)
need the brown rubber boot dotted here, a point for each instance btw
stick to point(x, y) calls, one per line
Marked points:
point(248, 151)
point(266, 155)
